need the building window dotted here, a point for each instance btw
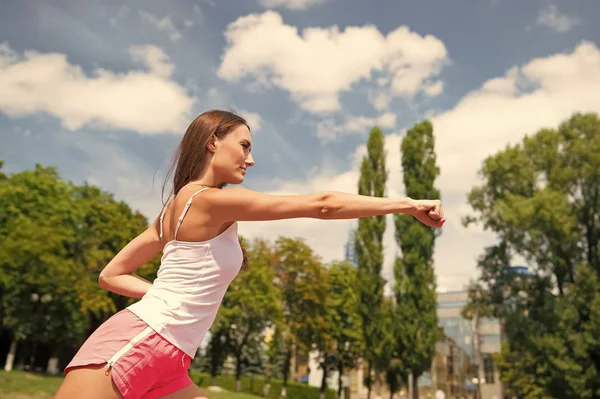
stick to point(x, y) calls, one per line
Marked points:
point(488, 368)
point(451, 305)
point(491, 339)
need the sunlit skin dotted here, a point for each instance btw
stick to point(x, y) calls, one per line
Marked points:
point(231, 156)
point(225, 164)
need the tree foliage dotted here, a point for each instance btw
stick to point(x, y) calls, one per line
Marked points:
point(55, 237)
point(542, 198)
point(415, 311)
point(251, 305)
point(304, 286)
point(344, 324)
point(369, 248)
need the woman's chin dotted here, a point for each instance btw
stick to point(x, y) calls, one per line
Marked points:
point(237, 179)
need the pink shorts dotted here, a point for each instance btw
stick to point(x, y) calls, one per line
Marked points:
point(142, 363)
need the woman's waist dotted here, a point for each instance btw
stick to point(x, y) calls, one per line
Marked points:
point(160, 298)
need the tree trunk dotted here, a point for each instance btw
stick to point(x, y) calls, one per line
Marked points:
point(478, 361)
point(52, 367)
point(10, 358)
point(213, 380)
point(370, 385)
point(340, 371)
point(415, 384)
point(294, 363)
point(323, 382)
point(501, 320)
point(378, 384)
point(238, 372)
point(286, 371)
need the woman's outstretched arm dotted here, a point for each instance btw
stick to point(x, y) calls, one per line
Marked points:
point(238, 204)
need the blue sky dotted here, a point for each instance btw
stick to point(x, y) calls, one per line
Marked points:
point(104, 92)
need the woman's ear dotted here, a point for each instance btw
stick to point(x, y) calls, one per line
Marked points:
point(212, 144)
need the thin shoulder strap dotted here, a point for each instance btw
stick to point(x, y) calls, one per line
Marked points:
point(162, 216)
point(184, 212)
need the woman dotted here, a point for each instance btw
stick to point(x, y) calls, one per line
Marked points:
point(145, 351)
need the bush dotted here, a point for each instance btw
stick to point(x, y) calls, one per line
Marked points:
point(255, 386)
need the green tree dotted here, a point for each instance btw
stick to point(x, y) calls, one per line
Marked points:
point(345, 321)
point(541, 197)
point(386, 354)
point(369, 250)
point(416, 312)
point(55, 237)
point(479, 305)
point(394, 377)
point(37, 278)
point(303, 282)
point(104, 226)
point(340, 340)
point(216, 351)
point(252, 303)
point(277, 349)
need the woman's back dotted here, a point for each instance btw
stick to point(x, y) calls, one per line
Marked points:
point(197, 233)
point(193, 275)
point(199, 225)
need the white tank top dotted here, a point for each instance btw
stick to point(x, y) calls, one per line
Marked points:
point(192, 280)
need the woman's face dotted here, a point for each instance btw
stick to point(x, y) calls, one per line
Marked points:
point(232, 155)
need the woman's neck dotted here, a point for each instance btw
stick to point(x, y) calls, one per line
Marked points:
point(208, 179)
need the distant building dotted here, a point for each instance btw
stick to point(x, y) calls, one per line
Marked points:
point(450, 372)
point(462, 332)
point(349, 250)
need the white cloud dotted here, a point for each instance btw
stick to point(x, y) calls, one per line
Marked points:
point(163, 24)
point(327, 130)
point(379, 99)
point(552, 18)
point(290, 4)
point(122, 13)
point(318, 64)
point(122, 172)
point(434, 89)
point(253, 119)
point(542, 93)
point(502, 111)
point(154, 58)
point(146, 101)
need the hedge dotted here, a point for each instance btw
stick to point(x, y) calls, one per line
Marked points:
point(255, 385)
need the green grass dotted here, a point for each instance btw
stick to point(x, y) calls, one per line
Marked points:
point(24, 385)
point(227, 395)
point(19, 384)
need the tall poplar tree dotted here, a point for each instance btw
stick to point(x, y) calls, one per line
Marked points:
point(369, 249)
point(415, 311)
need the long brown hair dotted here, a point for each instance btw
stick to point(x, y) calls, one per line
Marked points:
point(191, 155)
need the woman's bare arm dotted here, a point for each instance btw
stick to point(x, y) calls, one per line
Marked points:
point(118, 276)
point(238, 204)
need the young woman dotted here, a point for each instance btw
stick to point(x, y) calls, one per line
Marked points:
point(145, 351)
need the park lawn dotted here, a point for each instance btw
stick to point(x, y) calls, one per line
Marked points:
point(24, 385)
